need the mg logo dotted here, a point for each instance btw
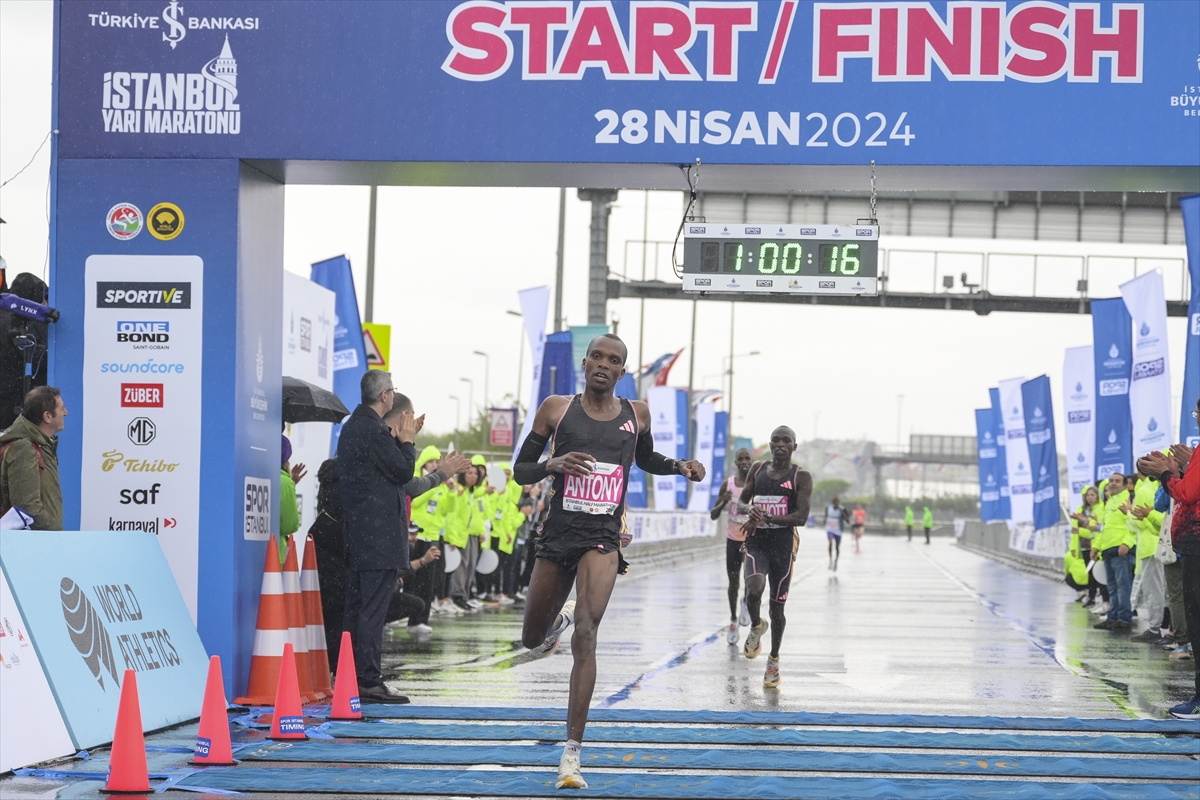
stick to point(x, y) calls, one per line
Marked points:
point(142, 431)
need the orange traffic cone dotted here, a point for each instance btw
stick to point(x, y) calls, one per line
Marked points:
point(345, 686)
point(212, 740)
point(293, 604)
point(288, 720)
point(314, 619)
point(270, 634)
point(127, 765)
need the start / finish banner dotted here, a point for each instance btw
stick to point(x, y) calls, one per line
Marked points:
point(608, 82)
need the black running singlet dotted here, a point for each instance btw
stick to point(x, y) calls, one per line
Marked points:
point(595, 502)
point(775, 497)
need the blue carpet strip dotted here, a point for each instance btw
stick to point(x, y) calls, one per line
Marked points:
point(507, 713)
point(770, 736)
point(376, 781)
point(678, 758)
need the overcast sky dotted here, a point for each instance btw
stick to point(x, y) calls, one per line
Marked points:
point(834, 372)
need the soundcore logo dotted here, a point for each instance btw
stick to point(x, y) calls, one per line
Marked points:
point(87, 632)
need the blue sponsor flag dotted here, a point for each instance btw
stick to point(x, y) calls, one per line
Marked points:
point(626, 387)
point(720, 440)
point(635, 495)
point(1112, 335)
point(1189, 432)
point(349, 354)
point(989, 459)
point(683, 431)
point(1004, 509)
point(1043, 452)
point(559, 359)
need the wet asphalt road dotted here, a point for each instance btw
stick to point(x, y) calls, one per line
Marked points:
point(899, 628)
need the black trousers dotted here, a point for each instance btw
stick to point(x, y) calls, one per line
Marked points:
point(404, 605)
point(423, 585)
point(368, 593)
point(1191, 603)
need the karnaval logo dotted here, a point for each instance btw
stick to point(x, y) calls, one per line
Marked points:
point(87, 632)
point(165, 221)
point(203, 102)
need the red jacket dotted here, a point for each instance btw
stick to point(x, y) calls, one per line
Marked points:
point(1185, 491)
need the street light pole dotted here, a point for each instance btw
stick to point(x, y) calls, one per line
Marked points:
point(470, 399)
point(457, 412)
point(520, 358)
point(487, 368)
point(729, 371)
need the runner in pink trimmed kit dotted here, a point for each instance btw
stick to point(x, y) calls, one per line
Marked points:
point(595, 437)
point(734, 536)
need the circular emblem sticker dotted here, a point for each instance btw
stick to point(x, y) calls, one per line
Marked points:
point(124, 221)
point(165, 221)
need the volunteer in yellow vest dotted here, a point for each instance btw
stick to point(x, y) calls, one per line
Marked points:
point(429, 514)
point(909, 519)
point(1115, 544)
point(465, 527)
point(1149, 581)
point(1085, 523)
point(927, 521)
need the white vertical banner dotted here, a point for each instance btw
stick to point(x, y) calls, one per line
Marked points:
point(706, 428)
point(534, 304)
point(663, 425)
point(142, 358)
point(1079, 413)
point(1150, 381)
point(308, 314)
point(1016, 450)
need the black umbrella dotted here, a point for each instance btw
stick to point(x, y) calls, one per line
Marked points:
point(303, 402)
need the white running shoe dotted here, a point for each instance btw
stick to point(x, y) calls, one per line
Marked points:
point(753, 644)
point(1101, 610)
point(569, 776)
point(771, 678)
point(473, 603)
point(744, 616)
point(505, 600)
point(565, 618)
point(731, 635)
point(419, 628)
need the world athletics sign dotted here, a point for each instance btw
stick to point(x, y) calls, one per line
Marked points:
point(740, 82)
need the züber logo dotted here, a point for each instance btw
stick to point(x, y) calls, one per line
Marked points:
point(141, 395)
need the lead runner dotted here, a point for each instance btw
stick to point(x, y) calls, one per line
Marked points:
point(594, 439)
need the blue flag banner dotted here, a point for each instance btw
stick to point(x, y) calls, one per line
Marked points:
point(1189, 432)
point(683, 433)
point(1043, 452)
point(349, 354)
point(720, 444)
point(989, 458)
point(558, 360)
point(1112, 337)
point(1004, 509)
point(636, 495)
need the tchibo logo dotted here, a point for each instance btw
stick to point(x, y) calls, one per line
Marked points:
point(203, 102)
point(141, 395)
point(143, 294)
point(134, 332)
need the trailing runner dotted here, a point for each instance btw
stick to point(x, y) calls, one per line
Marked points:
point(734, 537)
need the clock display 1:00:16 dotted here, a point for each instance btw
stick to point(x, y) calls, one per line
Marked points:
point(787, 258)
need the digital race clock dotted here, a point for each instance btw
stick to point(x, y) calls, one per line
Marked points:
point(786, 259)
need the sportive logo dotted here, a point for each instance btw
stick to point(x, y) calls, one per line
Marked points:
point(124, 221)
point(114, 457)
point(149, 366)
point(87, 632)
point(166, 221)
point(143, 294)
point(1149, 369)
point(141, 395)
point(203, 102)
point(137, 332)
point(141, 431)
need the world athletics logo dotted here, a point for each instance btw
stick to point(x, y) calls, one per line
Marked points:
point(87, 632)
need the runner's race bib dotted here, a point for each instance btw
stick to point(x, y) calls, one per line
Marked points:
point(597, 493)
point(774, 505)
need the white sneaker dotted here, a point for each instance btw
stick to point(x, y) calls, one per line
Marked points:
point(753, 645)
point(420, 628)
point(473, 603)
point(505, 600)
point(569, 776)
point(1101, 610)
point(744, 615)
point(771, 677)
point(565, 618)
point(731, 635)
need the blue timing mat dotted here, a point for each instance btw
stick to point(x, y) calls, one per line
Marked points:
point(374, 781)
point(500, 714)
point(769, 736)
point(679, 758)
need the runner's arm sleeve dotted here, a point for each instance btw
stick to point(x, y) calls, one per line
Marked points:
point(651, 462)
point(528, 469)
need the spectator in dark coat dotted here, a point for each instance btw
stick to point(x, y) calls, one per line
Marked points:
point(375, 461)
point(331, 554)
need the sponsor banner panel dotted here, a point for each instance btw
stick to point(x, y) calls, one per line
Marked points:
point(1049, 542)
point(1189, 426)
point(1043, 450)
point(660, 526)
point(1112, 351)
point(142, 358)
point(1150, 379)
point(989, 461)
point(706, 430)
point(31, 726)
point(663, 410)
point(534, 304)
point(1004, 509)
point(104, 603)
point(1020, 475)
point(1079, 409)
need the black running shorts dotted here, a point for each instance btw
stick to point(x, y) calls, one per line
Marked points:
point(733, 557)
point(567, 547)
point(771, 553)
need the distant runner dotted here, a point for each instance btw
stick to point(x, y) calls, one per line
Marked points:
point(734, 537)
point(833, 532)
point(860, 522)
point(594, 439)
point(779, 493)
